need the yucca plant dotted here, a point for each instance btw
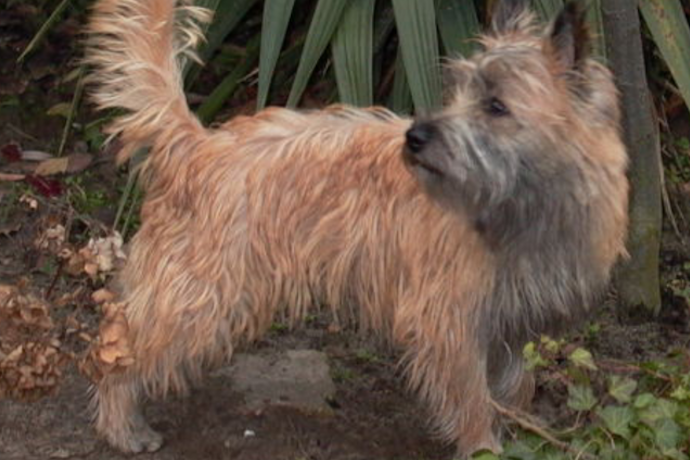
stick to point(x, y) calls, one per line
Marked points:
point(358, 31)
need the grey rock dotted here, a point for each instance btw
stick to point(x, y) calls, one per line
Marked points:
point(295, 378)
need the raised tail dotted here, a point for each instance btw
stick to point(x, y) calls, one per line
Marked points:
point(137, 49)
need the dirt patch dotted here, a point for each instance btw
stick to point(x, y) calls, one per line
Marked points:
point(370, 417)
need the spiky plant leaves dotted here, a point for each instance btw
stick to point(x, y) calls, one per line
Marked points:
point(416, 24)
point(666, 20)
point(276, 17)
point(353, 53)
point(326, 18)
point(458, 25)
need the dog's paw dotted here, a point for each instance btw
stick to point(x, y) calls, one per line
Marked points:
point(141, 439)
point(148, 440)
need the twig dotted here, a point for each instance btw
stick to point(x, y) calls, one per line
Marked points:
point(58, 272)
point(76, 99)
point(523, 420)
point(43, 30)
point(21, 133)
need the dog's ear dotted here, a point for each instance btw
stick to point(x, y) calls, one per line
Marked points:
point(509, 16)
point(569, 40)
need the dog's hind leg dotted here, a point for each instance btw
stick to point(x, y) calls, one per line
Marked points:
point(178, 325)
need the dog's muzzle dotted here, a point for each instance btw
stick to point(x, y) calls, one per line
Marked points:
point(417, 138)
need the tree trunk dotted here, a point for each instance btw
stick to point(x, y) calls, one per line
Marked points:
point(637, 279)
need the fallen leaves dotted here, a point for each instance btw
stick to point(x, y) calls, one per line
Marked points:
point(70, 164)
point(47, 187)
point(6, 177)
point(100, 257)
point(110, 352)
point(38, 168)
point(30, 355)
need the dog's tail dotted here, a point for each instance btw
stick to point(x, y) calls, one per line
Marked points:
point(137, 49)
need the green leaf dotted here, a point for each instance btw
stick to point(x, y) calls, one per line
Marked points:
point(276, 17)
point(617, 420)
point(663, 408)
point(674, 454)
point(214, 102)
point(667, 433)
point(416, 24)
point(644, 400)
point(228, 14)
point(547, 9)
point(550, 345)
point(60, 109)
point(321, 29)
point(353, 53)
point(581, 397)
point(458, 25)
point(533, 357)
point(622, 388)
point(485, 456)
point(518, 450)
point(400, 99)
point(583, 359)
point(666, 20)
point(681, 393)
point(595, 23)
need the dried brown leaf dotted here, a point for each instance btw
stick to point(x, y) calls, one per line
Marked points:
point(52, 166)
point(102, 295)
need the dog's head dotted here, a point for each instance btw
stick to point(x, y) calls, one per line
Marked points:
point(521, 118)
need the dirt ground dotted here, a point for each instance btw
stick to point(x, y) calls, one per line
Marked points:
point(370, 416)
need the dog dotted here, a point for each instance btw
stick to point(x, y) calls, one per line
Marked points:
point(457, 236)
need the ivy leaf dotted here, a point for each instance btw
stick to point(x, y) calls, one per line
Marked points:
point(581, 397)
point(555, 456)
point(622, 388)
point(485, 456)
point(667, 433)
point(550, 345)
point(617, 420)
point(518, 450)
point(533, 358)
point(644, 400)
point(661, 410)
point(582, 358)
point(682, 393)
point(674, 454)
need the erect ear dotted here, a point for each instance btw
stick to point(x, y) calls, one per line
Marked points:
point(569, 40)
point(508, 15)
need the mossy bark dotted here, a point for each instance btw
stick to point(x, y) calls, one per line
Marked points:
point(638, 278)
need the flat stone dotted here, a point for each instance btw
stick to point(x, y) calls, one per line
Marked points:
point(295, 378)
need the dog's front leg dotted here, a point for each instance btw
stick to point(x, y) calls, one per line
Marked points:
point(449, 371)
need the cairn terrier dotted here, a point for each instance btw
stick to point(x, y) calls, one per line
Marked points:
point(457, 236)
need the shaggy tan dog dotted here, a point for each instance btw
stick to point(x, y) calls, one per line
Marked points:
point(457, 237)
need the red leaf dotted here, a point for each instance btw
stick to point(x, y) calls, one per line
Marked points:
point(11, 152)
point(45, 186)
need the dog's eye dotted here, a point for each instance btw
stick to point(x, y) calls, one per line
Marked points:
point(496, 108)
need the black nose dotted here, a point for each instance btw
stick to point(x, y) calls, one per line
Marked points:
point(418, 136)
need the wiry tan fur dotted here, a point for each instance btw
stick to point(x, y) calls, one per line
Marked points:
point(285, 210)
